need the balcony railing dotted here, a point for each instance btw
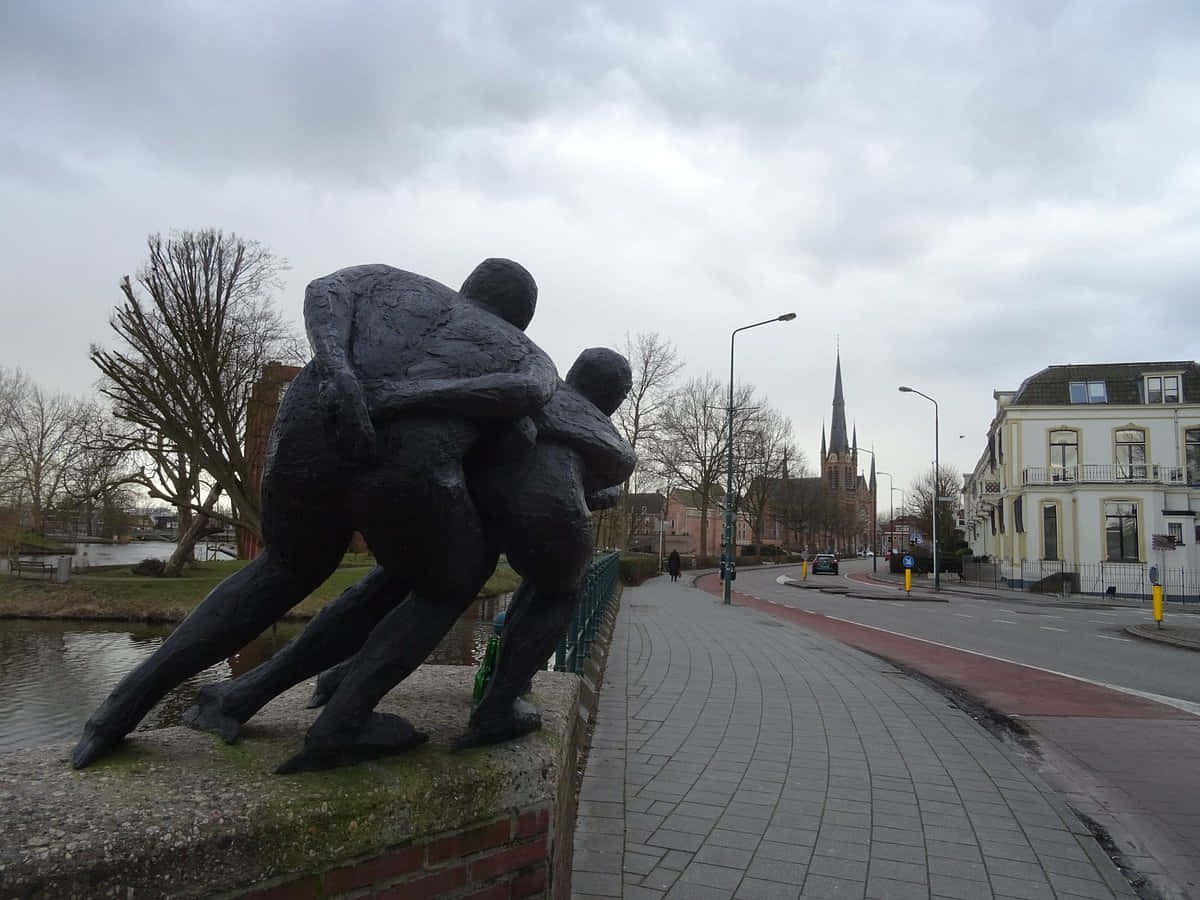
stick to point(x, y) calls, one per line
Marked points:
point(1115, 474)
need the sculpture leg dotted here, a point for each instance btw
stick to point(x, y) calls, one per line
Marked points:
point(348, 731)
point(236, 611)
point(531, 632)
point(335, 634)
point(327, 683)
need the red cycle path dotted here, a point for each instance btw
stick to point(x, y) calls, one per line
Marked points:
point(1009, 688)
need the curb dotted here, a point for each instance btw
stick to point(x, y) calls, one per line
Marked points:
point(1151, 633)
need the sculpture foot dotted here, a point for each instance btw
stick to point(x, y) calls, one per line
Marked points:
point(327, 685)
point(206, 715)
point(521, 719)
point(93, 745)
point(381, 735)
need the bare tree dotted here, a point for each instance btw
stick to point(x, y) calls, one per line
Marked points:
point(768, 451)
point(692, 442)
point(655, 363)
point(103, 465)
point(921, 496)
point(195, 330)
point(13, 387)
point(44, 440)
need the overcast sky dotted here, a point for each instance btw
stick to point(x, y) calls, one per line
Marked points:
point(964, 192)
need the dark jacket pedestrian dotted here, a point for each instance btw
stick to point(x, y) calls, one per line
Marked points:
point(673, 565)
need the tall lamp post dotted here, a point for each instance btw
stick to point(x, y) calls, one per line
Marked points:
point(727, 555)
point(937, 579)
point(874, 516)
point(891, 509)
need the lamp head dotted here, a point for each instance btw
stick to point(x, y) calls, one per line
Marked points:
point(786, 317)
point(905, 390)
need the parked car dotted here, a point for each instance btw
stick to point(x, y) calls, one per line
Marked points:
point(825, 564)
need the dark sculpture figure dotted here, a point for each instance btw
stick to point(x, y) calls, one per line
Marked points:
point(535, 506)
point(410, 381)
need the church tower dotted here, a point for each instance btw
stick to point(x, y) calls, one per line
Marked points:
point(839, 462)
point(849, 497)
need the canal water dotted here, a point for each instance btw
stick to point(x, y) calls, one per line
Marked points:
point(53, 674)
point(134, 552)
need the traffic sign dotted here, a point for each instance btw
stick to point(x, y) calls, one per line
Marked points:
point(908, 561)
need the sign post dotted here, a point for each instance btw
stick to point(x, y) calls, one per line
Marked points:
point(908, 563)
point(1162, 543)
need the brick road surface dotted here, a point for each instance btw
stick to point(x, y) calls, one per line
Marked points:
point(736, 755)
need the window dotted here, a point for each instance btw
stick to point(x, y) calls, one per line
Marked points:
point(1018, 516)
point(992, 516)
point(1000, 446)
point(1192, 443)
point(833, 476)
point(1120, 531)
point(1175, 530)
point(1088, 392)
point(1162, 389)
point(1131, 453)
point(1001, 508)
point(1064, 455)
point(1049, 531)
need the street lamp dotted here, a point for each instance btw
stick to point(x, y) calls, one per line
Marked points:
point(937, 580)
point(874, 516)
point(891, 509)
point(727, 556)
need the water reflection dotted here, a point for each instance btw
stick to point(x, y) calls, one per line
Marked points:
point(53, 674)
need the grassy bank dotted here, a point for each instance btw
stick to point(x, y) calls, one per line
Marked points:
point(114, 593)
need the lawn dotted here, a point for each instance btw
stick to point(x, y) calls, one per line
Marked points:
point(114, 593)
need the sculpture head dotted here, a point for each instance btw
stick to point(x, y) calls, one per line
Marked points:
point(504, 288)
point(603, 376)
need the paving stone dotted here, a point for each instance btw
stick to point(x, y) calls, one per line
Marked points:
point(660, 879)
point(898, 852)
point(887, 889)
point(676, 859)
point(726, 838)
point(822, 887)
point(711, 875)
point(900, 871)
point(777, 870)
point(676, 840)
point(724, 856)
point(959, 888)
point(691, 891)
point(838, 867)
point(757, 889)
point(1025, 890)
point(597, 883)
point(639, 863)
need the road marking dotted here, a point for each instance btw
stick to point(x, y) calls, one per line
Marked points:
point(1053, 617)
point(869, 599)
point(1005, 621)
point(1109, 637)
point(1051, 628)
point(1099, 621)
point(963, 616)
point(1186, 705)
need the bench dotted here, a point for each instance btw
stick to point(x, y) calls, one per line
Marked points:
point(17, 566)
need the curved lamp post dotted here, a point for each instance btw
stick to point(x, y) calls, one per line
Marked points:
point(727, 555)
point(937, 580)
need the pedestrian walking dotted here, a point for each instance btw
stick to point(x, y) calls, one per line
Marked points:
point(673, 565)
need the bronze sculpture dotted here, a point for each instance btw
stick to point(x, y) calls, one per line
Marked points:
point(421, 411)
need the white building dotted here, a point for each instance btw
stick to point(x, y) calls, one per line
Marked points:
point(1084, 465)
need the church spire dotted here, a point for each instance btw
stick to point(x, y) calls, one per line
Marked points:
point(872, 484)
point(823, 453)
point(837, 433)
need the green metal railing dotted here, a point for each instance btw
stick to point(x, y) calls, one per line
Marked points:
point(600, 587)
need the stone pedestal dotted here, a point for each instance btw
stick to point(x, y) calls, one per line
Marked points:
point(177, 813)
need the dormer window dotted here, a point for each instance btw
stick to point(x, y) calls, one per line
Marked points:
point(1162, 388)
point(1088, 392)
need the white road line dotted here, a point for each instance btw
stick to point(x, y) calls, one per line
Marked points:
point(1005, 621)
point(1186, 705)
point(1109, 637)
point(1051, 628)
point(869, 599)
point(1053, 617)
point(1099, 621)
point(963, 616)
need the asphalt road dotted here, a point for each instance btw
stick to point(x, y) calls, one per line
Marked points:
point(1087, 643)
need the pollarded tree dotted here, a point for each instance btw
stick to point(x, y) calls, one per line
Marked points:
point(920, 501)
point(194, 330)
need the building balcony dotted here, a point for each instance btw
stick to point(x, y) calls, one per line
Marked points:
point(1116, 474)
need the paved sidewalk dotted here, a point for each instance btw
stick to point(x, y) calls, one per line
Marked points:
point(736, 755)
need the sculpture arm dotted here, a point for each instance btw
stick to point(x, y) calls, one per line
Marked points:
point(329, 322)
point(496, 395)
point(605, 498)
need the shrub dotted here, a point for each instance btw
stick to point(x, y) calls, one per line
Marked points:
point(637, 567)
point(152, 567)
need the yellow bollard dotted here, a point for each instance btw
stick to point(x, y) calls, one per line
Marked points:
point(908, 581)
point(804, 569)
point(1158, 600)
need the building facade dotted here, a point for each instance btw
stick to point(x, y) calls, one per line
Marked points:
point(1085, 465)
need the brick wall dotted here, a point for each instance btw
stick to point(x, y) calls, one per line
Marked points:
point(507, 857)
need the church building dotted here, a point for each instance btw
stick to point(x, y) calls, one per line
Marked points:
point(842, 520)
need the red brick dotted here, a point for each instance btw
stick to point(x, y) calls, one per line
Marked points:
point(530, 883)
point(495, 892)
point(423, 888)
point(508, 860)
point(375, 870)
point(465, 843)
point(307, 888)
point(531, 823)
